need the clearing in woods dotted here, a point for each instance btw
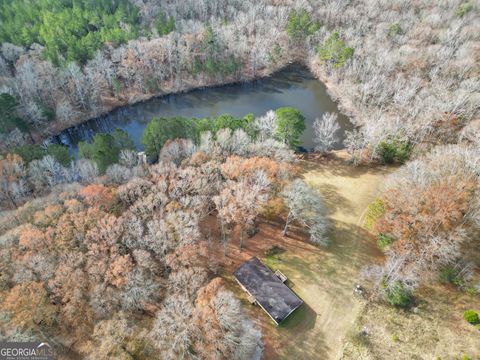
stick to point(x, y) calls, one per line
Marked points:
point(323, 278)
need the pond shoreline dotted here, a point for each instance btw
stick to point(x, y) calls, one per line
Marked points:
point(294, 84)
point(55, 128)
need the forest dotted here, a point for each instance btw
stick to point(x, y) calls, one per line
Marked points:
point(106, 254)
point(94, 260)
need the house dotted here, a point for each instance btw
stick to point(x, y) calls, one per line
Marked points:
point(267, 289)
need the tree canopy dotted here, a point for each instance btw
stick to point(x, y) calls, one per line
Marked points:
point(9, 119)
point(31, 152)
point(300, 24)
point(70, 30)
point(105, 148)
point(289, 125)
point(307, 207)
point(159, 130)
point(335, 51)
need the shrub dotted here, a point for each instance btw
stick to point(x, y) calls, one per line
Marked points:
point(272, 208)
point(151, 86)
point(471, 290)
point(395, 29)
point(274, 250)
point(251, 231)
point(397, 295)
point(383, 241)
point(450, 275)
point(358, 337)
point(116, 85)
point(393, 150)
point(463, 8)
point(375, 210)
point(471, 317)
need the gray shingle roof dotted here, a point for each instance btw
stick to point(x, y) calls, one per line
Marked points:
point(272, 295)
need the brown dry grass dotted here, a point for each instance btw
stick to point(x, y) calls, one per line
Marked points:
point(434, 329)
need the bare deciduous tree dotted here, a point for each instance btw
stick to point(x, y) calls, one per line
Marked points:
point(307, 207)
point(266, 125)
point(326, 132)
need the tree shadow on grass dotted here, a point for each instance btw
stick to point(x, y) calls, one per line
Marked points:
point(333, 199)
point(340, 167)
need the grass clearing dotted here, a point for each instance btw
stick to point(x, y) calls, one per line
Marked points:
point(327, 326)
point(322, 278)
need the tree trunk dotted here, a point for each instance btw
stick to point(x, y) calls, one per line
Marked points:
point(224, 238)
point(241, 238)
point(225, 243)
point(289, 220)
point(12, 201)
point(30, 136)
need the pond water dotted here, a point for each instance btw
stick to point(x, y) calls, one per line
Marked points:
point(294, 86)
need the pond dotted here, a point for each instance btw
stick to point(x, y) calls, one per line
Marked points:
point(294, 86)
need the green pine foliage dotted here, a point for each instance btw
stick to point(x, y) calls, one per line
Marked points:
point(164, 25)
point(159, 130)
point(300, 25)
point(122, 140)
point(70, 30)
point(105, 149)
point(29, 152)
point(60, 153)
point(394, 150)
point(224, 121)
point(289, 126)
point(335, 51)
point(35, 152)
point(397, 295)
point(9, 120)
point(211, 60)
